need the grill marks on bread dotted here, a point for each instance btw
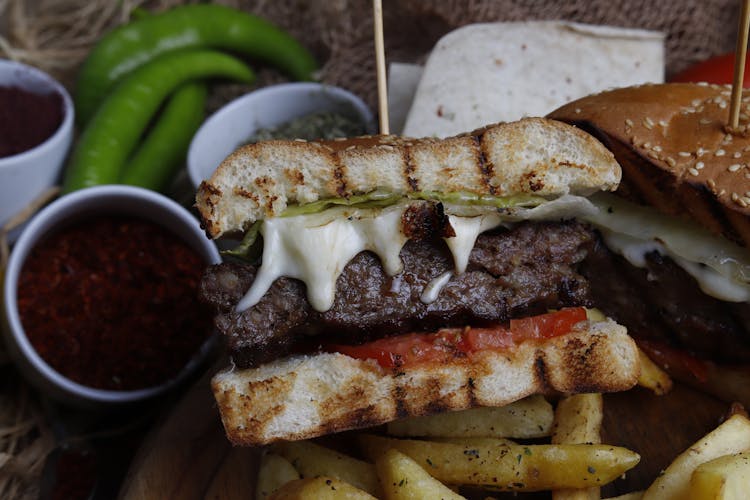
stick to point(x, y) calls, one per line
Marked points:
point(531, 156)
point(325, 393)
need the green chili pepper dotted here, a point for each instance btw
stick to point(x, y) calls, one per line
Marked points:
point(114, 130)
point(163, 150)
point(190, 26)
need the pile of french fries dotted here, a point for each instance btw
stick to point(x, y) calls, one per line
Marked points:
point(487, 450)
point(435, 457)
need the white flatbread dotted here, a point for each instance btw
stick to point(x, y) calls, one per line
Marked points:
point(491, 72)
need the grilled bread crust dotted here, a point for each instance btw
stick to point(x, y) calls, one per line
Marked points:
point(311, 395)
point(675, 151)
point(531, 156)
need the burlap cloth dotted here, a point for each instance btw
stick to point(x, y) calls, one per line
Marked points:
point(340, 31)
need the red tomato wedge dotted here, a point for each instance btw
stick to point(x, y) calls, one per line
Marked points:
point(719, 70)
point(415, 348)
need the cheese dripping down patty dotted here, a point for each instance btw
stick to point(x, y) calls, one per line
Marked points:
point(315, 248)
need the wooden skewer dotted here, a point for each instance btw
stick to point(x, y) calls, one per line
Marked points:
point(377, 11)
point(740, 54)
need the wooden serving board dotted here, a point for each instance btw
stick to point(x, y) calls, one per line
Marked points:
point(188, 457)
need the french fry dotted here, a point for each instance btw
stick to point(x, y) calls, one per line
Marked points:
point(511, 467)
point(723, 478)
point(733, 436)
point(401, 478)
point(320, 488)
point(578, 419)
point(313, 460)
point(274, 472)
point(652, 376)
point(528, 418)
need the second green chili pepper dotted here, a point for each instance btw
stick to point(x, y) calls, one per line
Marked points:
point(162, 151)
point(115, 129)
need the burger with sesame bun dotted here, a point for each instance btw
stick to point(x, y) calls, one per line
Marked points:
point(672, 263)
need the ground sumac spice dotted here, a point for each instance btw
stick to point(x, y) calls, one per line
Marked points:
point(112, 303)
point(27, 119)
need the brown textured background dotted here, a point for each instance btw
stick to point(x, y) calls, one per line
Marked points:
point(55, 34)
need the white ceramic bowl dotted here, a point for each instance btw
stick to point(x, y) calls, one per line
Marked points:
point(24, 176)
point(233, 124)
point(94, 201)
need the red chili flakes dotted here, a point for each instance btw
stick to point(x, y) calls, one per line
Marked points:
point(112, 303)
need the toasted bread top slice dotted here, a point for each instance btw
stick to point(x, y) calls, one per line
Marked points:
point(305, 396)
point(532, 156)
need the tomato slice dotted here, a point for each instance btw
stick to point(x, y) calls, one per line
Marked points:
point(415, 348)
point(547, 325)
point(407, 349)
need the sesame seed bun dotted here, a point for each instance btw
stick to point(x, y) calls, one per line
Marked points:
point(675, 150)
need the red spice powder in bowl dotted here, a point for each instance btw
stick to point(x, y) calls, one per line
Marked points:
point(101, 296)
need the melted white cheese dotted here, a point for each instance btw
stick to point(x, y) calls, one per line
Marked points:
point(432, 290)
point(315, 248)
point(721, 268)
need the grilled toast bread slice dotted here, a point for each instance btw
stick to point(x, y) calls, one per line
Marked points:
point(305, 396)
point(532, 156)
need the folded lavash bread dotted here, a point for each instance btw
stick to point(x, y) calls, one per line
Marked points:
point(491, 72)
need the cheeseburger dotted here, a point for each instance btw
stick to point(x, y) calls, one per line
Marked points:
point(384, 277)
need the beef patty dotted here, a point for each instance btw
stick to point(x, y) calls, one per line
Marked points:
point(527, 269)
point(513, 272)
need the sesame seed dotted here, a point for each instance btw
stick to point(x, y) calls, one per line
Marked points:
point(723, 104)
point(696, 102)
point(700, 165)
point(648, 123)
point(670, 161)
point(693, 172)
point(741, 202)
point(722, 192)
point(628, 122)
point(684, 154)
point(735, 197)
point(701, 152)
point(657, 148)
point(578, 110)
point(720, 152)
point(712, 184)
point(653, 155)
point(704, 121)
point(734, 168)
point(663, 123)
point(647, 145)
point(737, 155)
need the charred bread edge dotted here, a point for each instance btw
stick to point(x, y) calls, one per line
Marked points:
point(531, 156)
point(306, 396)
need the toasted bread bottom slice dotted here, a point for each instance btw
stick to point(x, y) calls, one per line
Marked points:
point(305, 396)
